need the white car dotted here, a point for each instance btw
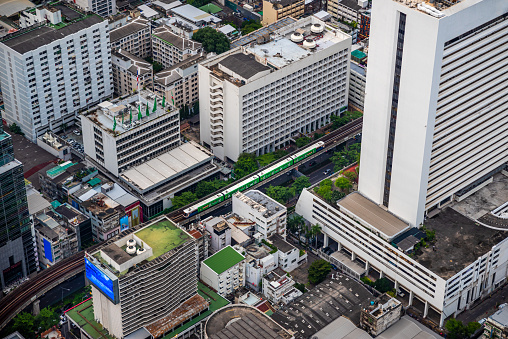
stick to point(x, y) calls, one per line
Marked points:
point(327, 171)
point(76, 132)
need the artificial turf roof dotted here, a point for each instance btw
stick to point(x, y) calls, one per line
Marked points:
point(84, 317)
point(162, 237)
point(223, 260)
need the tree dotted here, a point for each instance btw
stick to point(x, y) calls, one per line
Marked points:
point(183, 199)
point(204, 188)
point(346, 157)
point(198, 3)
point(315, 230)
point(472, 327)
point(195, 107)
point(280, 193)
point(343, 183)
point(295, 223)
point(265, 159)
point(245, 164)
point(300, 142)
point(300, 287)
point(212, 40)
point(46, 319)
point(24, 323)
point(341, 120)
point(382, 285)
point(16, 129)
point(319, 270)
point(455, 328)
point(250, 26)
point(337, 195)
point(351, 175)
point(299, 184)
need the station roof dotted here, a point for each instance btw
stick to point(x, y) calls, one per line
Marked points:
point(224, 259)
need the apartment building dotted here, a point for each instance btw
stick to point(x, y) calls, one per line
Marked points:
point(129, 131)
point(279, 288)
point(133, 37)
point(145, 278)
point(347, 10)
point(274, 10)
point(104, 8)
point(357, 83)
point(18, 255)
point(54, 70)
point(439, 133)
point(364, 24)
point(220, 232)
point(381, 314)
point(180, 81)
point(224, 271)
point(254, 98)
point(59, 232)
point(496, 325)
point(130, 72)
point(59, 182)
point(270, 216)
point(287, 255)
point(169, 49)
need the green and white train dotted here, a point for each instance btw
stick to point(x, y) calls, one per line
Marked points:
point(254, 179)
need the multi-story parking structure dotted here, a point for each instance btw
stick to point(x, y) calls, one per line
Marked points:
point(53, 70)
point(133, 37)
point(142, 277)
point(169, 49)
point(255, 98)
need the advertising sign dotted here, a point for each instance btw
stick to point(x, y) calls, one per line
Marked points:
point(124, 223)
point(47, 250)
point(99, 279)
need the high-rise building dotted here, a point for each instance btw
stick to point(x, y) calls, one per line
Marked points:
point(53, 70)
point(133, 37)
point(17, 249)
point(255, 98)
point(169, 49)
point(145, 278)
point(104, 8)
point(435, 125)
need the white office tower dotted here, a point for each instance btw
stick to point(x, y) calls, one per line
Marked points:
point(256, 97)
point(50, 72)
point(436, 108)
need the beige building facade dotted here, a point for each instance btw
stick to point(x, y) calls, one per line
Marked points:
point(276, 10)
point(125, 67)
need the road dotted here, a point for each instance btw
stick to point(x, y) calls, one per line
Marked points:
point(63, 290)
point(486, 307)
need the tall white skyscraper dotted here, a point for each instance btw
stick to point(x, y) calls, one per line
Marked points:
point(436, 108)
point(51, 71)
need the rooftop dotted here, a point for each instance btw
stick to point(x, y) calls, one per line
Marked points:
point(437, 9)
point(82, 315)
point(500, 317)
point(165, 34)
point(375, 216)
point(261, 202)
point(99, 204)
point(317, 308)
point(244, 65)
point(194, 14)
point(137, 64)
point(28, 39)
point(223, 260)
point(247, 39)
point(162, 236)
point(406, 325)
point(281, 244)
point(341, 328)
point(248, 323)
point(133, 26)
point(9, 7)
point(169, 75)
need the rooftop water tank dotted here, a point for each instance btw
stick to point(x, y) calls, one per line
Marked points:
point(140, 250)
point(131, 242)
point(296, 37)
point(317, 28)
point(130, 250)
point(309, 43)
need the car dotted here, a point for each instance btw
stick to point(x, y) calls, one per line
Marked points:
point(327, 171)
point(334, 267)
point(503, 305)
point(76, 132)
point(63, 321)
point(64, 136)
point(482, 321)
point(312, 163)
point(401, 294)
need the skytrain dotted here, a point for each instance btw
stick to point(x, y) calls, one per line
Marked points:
point(253, 179)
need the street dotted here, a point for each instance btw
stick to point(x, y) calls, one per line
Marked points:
point(486, 307)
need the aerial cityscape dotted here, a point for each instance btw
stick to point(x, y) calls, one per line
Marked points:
point(275, 169)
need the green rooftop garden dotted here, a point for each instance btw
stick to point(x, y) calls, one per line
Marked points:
point(84, 317)
point(224, 259)
point(210, 8)
point(162, 237)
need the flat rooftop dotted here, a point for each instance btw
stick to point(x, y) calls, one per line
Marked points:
point(194, 14)
point(162, 236)
point(166, 166)
point(459, 242)
point(261, 202)
point(377, 217)
point(406, 325)
point(10, 7)
point(281, 244)
point(83, 317)
point(244, 65)
point(224, 259)
point(247, 39)
point(323, 304)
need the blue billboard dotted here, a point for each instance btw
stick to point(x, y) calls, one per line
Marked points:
point(124, 223)
point(99, 279)
point(48, 253)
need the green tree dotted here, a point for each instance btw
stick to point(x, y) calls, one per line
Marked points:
point(16, 129)
point(280, 193)
point(212, 40)
point(183, 199)
point(280, 153)
point(204, 188)
point(265, 159)
point(455, 328)
point(198, 3)
point(46, 319)
point(351, 175)
point(346, 117)
point(245, 164)
point(472, 327)
point(295, 223)
point(346, 157)
point(299, 184)
point(250, 26)
point(300, 142)
point(315, 230)
point(337, 195)
point(300, 287)
point(24, 324)
point(319, 270)
point(382, 285)
point(343, 183)
point(157, 67)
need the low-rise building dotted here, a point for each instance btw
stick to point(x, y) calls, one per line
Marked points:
point(179, 83)
point(148, 12)
point(195, 15)
point(258, 262)
point(133, 37)
point(224, 271)
point(278, 287)
point(169, 49)
point(288, 256)
point(130, 73)
point(165, 6)
point(274, 10)
point(54, 145)
point(347, 10)
point(381, 314)
point(220, 232)
point(496, 326)
point(268, 214)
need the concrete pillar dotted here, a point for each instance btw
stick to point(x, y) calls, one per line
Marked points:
point(411, 298)
point(396, 283)
point(339, 246)
point(36, 308)
point(367, 266)
point(441, 320)
point(381, 274)
point(353, 256)
point(325, 240)
point(426, 309)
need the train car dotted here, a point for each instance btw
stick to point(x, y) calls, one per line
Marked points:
point(307, 152)
point(275, 169)
point(241, 186)
point(203, 205)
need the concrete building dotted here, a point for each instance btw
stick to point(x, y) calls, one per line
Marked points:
point(496, 326)
point(220, 232)
point(104, 8)
point(18, 254)
point(55, 145)
point(341, 328)
point(347, 10)
point(380, 315)
point(287, 255)
point(224, 271)
point(276, 10)
point(439, 133)
point(270, 216)
point(406, 324)
point(165, 6)
point(357, 83)
point(364, 24)
point(279, 288)
point(129, 72)
point(251, 97)
point(55, 70)
point(180, 81)
point(130, 131)
point(195, 16)
point(169, 49)
point(133, 37)
point(146, 278)
point(60, 233)
point(258, 262)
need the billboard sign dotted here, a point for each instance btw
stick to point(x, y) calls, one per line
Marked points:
point(101, 281)
point(48, 253)
point(124, 223)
